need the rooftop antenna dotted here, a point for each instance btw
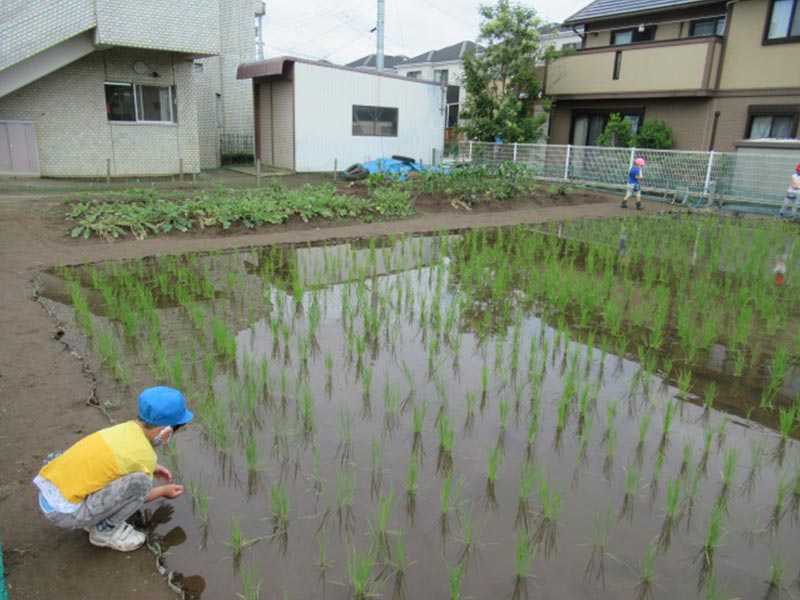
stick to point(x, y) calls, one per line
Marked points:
point(379, 56)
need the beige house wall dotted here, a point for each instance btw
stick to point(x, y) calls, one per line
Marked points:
point(749, 64)
point(642, 69)
point(74, 136)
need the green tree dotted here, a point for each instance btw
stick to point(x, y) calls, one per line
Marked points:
point(655, 133)
point(502, 82)
point(618, 132)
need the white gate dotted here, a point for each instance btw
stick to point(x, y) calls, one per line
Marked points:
point(18, 154)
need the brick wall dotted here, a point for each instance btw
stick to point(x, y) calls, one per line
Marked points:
point(27, 28)
point(175, 25)
point(74, 136)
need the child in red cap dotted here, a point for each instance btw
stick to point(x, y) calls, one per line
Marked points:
point(104, 478)
point(792, 195)
point(634, 186)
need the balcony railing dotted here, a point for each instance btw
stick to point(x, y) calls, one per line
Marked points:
point(685, 67)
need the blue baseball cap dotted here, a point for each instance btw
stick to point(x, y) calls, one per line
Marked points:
point(163, 405)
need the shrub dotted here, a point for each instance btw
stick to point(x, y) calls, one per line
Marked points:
point(618, 132)
point(655, 134)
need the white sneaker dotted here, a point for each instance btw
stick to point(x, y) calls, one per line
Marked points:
point(123, 538)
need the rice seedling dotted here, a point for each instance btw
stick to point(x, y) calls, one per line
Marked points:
point(323, 561)
point(784, 486)
point(777, 571)
point(363, 580)
point(455, 575)
point(251, 584)
point(757, 448)
point(611, 449)
point(469, 535)
point(450, 493)
point(787, 422)
point(380, 530)
point(412, 472)
point(714, 532)
point(632, 479)
point(550, 502)
point(729, 465)
point(647, 576)
point(447, 440)
point(238, 543)
point(709, 395)
point(524, 557)
point(671, 514)
point(251, 452)
point(279, 502)
point(600, 533)
point(669, 415)
point(503, 409)
point(419, 413)
point(199, 501)
point(713, 589)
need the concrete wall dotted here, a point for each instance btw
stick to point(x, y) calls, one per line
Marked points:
point(324, 129)
point(74, 135)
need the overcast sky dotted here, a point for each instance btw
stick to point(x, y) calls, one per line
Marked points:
point(339, 30)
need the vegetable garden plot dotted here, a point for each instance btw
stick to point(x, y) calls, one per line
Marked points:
point(490, 414)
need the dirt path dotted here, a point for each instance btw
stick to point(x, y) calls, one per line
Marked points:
point(43, 390)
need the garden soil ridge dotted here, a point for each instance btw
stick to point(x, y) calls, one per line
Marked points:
point(44, 388)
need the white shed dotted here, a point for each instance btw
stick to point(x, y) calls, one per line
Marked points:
point(308, 114)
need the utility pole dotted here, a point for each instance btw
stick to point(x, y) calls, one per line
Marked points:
point(379, 56)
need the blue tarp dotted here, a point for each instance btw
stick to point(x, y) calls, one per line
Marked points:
point(3, 593)
point(398, 168)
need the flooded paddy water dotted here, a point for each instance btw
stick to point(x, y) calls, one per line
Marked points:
point(541, 412)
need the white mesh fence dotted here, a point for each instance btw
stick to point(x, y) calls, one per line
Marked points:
point(674, 175)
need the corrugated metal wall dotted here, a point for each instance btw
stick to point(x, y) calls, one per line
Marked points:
point(324, 100)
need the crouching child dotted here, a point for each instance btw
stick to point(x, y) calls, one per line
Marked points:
point(104, 478)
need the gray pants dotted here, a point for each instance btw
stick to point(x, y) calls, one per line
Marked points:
point(792, 200)
point(114, 503)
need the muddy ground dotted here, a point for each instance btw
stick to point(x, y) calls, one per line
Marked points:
point(44, 388)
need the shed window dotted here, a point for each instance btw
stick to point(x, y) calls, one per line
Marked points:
point(414, 74)
point(375, 120)
point(140, 103)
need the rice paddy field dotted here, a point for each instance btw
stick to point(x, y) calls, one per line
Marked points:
point(588, 409)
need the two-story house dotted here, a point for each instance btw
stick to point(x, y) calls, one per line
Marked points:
point(96, 87)
point(721, 73)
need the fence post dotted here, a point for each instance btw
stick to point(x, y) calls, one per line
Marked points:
point(180, 170)
point(633, 157)
point(515, 151)
point(335, 169)
point(566, 164)
point(258, 172)
point(108, 171)
point(470, 151)
point(708, 171)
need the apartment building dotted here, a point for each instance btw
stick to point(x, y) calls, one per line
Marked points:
point(722, 74)
point(96, 87)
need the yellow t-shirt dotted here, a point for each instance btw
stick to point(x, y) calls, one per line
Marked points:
point(100, 458)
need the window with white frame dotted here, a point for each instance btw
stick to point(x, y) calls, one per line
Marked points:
point(140, 103)
point(440, 76)
point(378, 121)
point(414, 74)
point(784, 21)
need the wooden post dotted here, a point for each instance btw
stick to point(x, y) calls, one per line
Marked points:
point(194, 174)
point(180, 170)
point(108, 171)
point(258, 172)
point(335, 169)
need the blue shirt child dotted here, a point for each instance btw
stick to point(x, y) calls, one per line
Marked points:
point(633, 175)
